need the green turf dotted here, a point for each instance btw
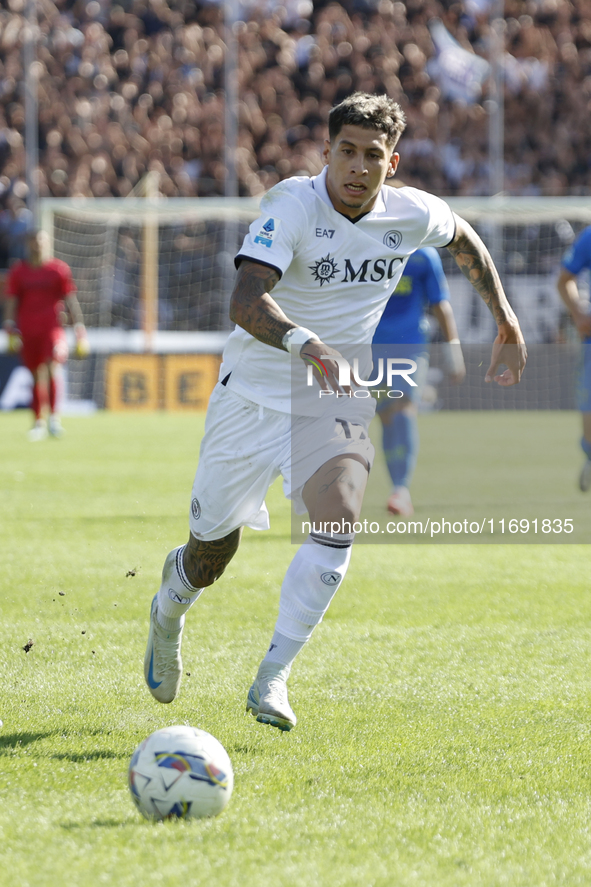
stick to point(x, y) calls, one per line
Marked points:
point(485, 470)
point(444, 734)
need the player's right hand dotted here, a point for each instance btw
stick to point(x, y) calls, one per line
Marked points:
point(328, 364)
point(509, 349)
point(15, 342)
point(82, 348)
point(582, 321)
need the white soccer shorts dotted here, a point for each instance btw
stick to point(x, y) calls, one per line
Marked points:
point(246, 447)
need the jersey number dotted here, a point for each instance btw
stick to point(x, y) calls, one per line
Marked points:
point(347, 429)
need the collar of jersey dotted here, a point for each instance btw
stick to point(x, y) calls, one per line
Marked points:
point(319, 185)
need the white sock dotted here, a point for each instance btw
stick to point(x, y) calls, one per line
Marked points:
point(310, 583)
point(176, 594)
point(282, 650)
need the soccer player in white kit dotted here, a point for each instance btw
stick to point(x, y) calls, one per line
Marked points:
point(314, 272)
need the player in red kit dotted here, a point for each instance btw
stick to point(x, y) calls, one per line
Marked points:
point(36, 290)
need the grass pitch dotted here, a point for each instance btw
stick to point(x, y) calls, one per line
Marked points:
point(444, 705)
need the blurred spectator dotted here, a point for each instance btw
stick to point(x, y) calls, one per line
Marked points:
point(138, 85)
point(15, 220)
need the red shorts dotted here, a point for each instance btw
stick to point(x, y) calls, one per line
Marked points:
point(45, 348)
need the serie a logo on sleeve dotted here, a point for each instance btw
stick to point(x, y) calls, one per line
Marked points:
point(268, 232)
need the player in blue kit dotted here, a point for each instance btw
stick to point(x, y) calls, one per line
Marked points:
point(576, 260)
point(404, 324)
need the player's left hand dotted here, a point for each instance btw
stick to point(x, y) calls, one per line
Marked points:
point(509, 349)
point(82, 346)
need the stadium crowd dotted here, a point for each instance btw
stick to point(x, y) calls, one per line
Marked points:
point(138, 85)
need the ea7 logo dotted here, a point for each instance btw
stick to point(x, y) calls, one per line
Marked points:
point(325, 232)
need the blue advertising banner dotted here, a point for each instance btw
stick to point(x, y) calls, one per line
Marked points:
point(15, 383)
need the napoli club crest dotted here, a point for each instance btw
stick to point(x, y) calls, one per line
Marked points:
point(331, 578)
point(393, 239)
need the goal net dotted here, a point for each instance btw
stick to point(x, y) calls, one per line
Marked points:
point(154, 277)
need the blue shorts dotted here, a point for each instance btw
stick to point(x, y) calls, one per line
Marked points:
point(400, 387)
point(583, 384)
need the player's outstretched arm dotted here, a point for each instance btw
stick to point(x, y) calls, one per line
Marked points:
point(476, 264)
point(255, 310)
point(73, 306)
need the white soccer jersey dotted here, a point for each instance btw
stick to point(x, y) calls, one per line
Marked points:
point(336, 275)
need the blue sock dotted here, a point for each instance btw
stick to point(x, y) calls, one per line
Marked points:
point(586, 446)
point(401, 446)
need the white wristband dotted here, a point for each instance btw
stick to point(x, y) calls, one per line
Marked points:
point(454, 359)
point(294, 339)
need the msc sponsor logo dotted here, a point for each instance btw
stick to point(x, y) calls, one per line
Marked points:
point(376, 271)
point(196, 509)
point(326, 269)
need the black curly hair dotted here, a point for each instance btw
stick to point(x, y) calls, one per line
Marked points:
point(371, 112)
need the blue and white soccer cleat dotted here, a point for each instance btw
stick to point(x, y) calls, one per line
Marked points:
point(585, 476)
point(267, 698)
point(163, 666)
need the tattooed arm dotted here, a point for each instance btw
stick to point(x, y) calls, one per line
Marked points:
point(252, 308)
point(476, 264)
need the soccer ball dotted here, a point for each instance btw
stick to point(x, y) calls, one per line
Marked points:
point(180, 772)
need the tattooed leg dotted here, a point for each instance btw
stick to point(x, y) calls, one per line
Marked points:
point(182, 585)
point(204, 562)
